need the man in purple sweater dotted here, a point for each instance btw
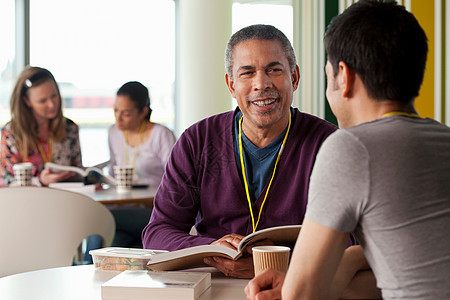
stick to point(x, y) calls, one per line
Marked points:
point(243, 170)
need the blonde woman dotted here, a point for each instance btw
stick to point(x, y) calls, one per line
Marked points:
point(38, 132)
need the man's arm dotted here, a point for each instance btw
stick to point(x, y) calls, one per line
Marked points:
point(354, 279)
point(314, 262)
point(176, 203)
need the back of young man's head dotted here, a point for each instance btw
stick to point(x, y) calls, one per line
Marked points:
point(384, 44)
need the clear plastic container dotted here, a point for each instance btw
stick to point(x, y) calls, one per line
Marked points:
point(121, 259)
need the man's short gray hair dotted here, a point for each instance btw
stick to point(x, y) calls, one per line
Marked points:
point(258, 32)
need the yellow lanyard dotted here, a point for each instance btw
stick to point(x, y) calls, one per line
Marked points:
point(47, 157)
point(136, 152)
point(400, 113)
point(271, 179)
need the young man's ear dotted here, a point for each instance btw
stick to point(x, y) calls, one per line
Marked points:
point(230, 85)
point(346, 79)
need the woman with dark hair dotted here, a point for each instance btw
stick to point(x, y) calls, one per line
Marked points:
point(135, 140)
point(38, 132)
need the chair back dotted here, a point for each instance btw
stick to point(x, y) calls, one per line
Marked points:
point(43, 227)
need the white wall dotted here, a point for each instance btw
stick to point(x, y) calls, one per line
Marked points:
point(203, 29)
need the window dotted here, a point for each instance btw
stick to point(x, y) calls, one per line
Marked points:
point(93, 47)
point(263, 12)
point(278, 14)
point(7, 53)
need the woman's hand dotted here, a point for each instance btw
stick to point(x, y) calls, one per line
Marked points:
point(46, 177)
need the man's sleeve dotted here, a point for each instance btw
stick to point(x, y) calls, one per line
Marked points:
point(176, 203)
point(339, 183)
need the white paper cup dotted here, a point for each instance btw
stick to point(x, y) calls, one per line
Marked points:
point(270, 257)
point(22, 173)
point(124, 178)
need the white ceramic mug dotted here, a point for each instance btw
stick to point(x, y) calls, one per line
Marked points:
point(124, 177)
point(22, 173)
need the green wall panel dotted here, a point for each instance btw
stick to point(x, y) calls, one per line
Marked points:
point(331, 10)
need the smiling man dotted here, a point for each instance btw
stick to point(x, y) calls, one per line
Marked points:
point(273, 144)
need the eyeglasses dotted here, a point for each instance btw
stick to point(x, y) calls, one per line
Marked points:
point(33, 80)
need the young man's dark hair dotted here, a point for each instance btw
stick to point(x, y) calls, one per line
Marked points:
point(390, 61)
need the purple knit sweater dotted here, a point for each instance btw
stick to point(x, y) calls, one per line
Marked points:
point(202, 186)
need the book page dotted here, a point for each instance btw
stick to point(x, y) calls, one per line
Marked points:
point(189, 257)
point(287, 233)
point(56, 168)
point(193, 256)
point(99, 173)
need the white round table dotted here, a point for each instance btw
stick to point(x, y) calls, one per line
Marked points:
point(84, 283)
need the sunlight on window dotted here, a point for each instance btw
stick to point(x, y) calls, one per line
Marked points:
point(7, 33)
point(278, 15)
point(103, 43)
point(6, 57)
point(93, 47)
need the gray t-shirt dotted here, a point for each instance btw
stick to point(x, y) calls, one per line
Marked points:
point(389, 182)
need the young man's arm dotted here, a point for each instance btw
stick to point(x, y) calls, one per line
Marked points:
point(318, 269)
point(353, 278)
point(314, 262)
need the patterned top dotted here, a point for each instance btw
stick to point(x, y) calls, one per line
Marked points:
point(66, 152)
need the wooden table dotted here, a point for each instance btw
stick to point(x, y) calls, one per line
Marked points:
point(135, 195)
point(84, 282)
point(110, 195)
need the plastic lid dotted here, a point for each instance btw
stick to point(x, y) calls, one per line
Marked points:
point(126, 252)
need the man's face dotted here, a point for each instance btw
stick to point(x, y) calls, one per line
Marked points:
point(262, 83)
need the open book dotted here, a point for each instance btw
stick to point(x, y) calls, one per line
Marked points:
point(95, 171)
point(193, 256)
